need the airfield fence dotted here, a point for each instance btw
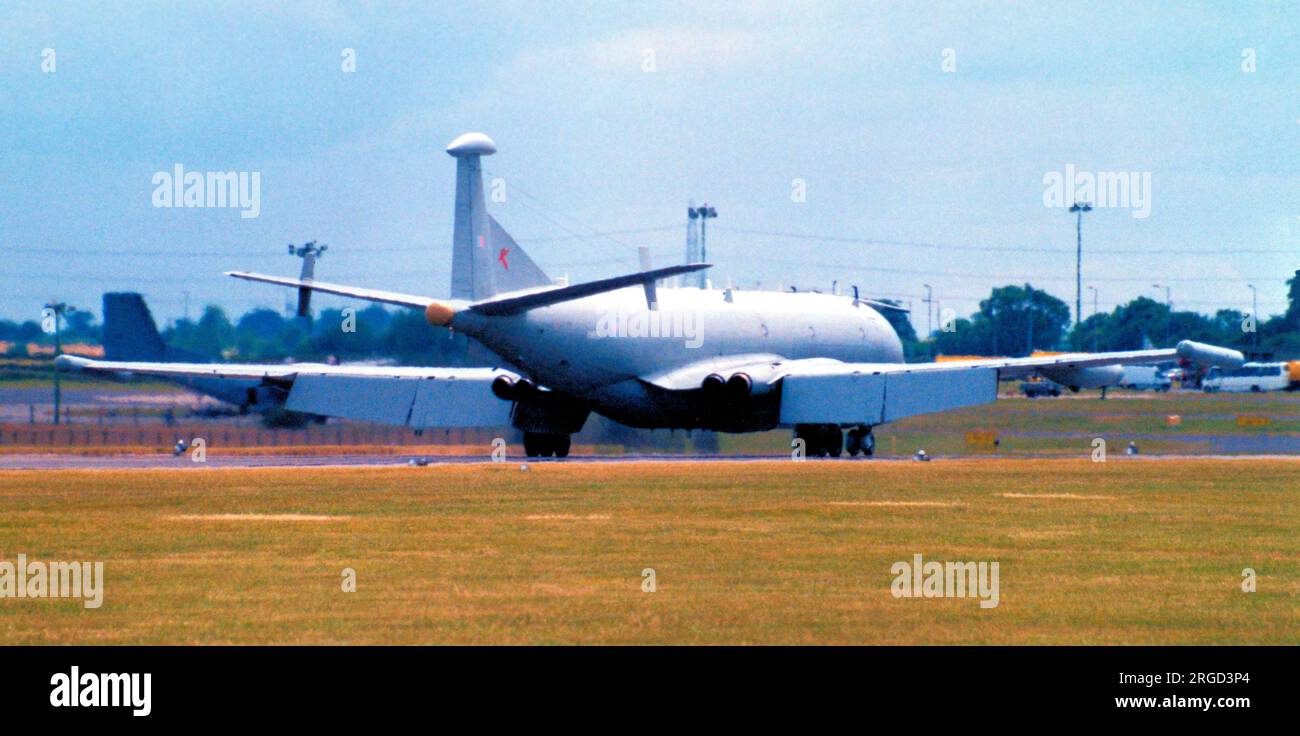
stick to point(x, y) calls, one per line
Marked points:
point(163, 436)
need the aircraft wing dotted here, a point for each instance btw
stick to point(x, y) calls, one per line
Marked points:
point(418, 398)
point(1010, 368)
point(874, 393)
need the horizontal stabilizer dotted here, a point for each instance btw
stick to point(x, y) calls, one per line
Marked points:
point(372, 295)
point(887, 306)
point(508, 304)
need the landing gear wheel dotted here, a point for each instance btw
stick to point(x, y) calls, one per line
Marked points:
point(868, 442)
point(545, 444)
point(820, 440)
point(532, 444)
point(817, 444)
point(853, 442)
point(834, 439)
point(809, 435)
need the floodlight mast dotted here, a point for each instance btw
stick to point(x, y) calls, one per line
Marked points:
point(308, 252)
point(1093, 289)
point(703, 213)
point(57, 310)
point(1254, 317)
point(1079, 208)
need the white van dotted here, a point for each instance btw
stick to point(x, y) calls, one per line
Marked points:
point(1144, 378)
point(1249, 377)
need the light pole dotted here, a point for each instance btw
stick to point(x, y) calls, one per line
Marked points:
point(1079, 208)
point(929, 326)
point(57, 310)
point(308, 252)
point(705, 213)
point(1093, 289)
point(1169, 305)
point(1029, 312)
point(1254, 317)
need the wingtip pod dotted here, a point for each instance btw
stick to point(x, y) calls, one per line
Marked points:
point(70, 362)
point(1210, 354)
point(439, 314)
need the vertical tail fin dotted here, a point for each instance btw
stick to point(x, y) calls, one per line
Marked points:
point(129, 329)
point(485, 260)
point(131, 334)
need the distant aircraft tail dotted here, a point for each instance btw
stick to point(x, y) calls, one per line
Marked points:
point(485, 260)
point(129, 329)
point(131, 334)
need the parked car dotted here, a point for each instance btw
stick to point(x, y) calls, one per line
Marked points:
point(1034, 389)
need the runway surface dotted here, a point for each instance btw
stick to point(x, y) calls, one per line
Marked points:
point(59, 462)
point(154, 462)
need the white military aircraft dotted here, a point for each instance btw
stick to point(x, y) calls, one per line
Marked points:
point(643, 354)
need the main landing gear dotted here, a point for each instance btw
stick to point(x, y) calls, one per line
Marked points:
point(821, 440)
point(543, 444)
point(860, 439)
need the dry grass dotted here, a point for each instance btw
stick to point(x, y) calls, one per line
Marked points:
point(780, 552)
point(431, 451)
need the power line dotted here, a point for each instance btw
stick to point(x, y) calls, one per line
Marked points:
point(967, 298)
point(1009, 277)
point(541, 206)
point(608, 234)
point(994, 249)
point(628, 231)
point(199, 254)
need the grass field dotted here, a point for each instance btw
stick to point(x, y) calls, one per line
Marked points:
point(1128, 551)
point(1065, 426)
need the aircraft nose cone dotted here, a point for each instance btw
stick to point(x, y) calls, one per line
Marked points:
point(472, 144)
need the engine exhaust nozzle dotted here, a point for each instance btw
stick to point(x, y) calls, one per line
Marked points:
point(503, 387)
point(713, 384)
point(739, 386)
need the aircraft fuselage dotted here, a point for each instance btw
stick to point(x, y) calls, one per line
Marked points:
point(603, 348)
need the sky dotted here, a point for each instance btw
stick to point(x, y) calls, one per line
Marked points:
point(888, 146)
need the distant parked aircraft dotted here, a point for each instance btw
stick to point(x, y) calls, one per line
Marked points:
point(131, 335)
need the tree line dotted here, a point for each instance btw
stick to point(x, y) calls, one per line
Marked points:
point(1017, 320)
point(1013, 321)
